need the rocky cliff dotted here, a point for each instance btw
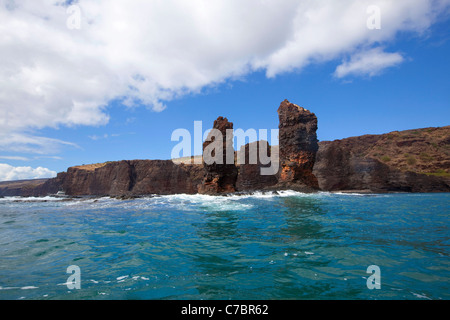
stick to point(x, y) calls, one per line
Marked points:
point(250, 177)
point(219, 160)
point(121, 178)
point(297, 152)
point(410, 161)
point(25, 188)
point(298, 146)
point(135, 177)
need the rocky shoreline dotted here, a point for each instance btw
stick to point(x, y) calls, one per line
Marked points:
point(406, 161)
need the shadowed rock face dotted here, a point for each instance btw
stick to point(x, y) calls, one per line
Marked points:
point(27, 188)
point(298, 146)
point(250, 177)
point(134, 177)
point(219, 177)
point(348, 164)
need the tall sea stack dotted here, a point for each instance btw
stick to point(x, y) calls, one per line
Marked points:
point(221, 174)
point(298, 147)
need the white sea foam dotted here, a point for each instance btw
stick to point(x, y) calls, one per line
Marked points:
point(150, 201)
point(292, 193)
point(30, 199)
point(218, 203)
point(421, 296)
point(102, 202)
point(223, 200)
point(185, 202)
point(188, 202)
point(64, 283)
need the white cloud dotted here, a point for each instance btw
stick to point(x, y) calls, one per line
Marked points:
point(49, 157)
point(10, 173)
point(154, 51)
point(25, 143)
point(370, 62)
point(104, 136)
point(14, 158)
point(96, 137)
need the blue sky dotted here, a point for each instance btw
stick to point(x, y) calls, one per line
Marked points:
point(393, 79)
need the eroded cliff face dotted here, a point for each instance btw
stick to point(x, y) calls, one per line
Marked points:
point(134, 177)
point(221, 174)
point(250, 177)
point(352, 164)
point(24, 188)
point(298, 146)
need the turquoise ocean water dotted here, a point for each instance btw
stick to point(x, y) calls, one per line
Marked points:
point(285, 246)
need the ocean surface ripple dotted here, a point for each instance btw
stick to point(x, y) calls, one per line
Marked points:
point(261, 246)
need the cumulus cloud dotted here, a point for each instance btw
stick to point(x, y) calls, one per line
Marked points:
point(10, 173)
point(150, 52)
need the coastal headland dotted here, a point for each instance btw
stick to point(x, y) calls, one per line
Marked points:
point(401, 161)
